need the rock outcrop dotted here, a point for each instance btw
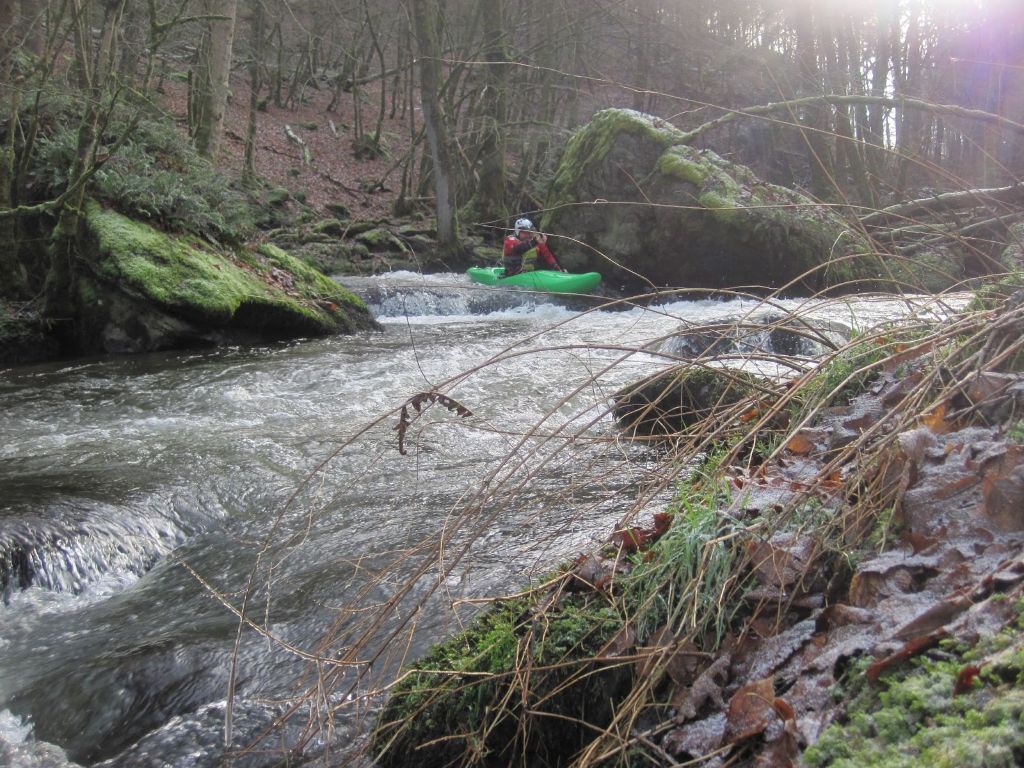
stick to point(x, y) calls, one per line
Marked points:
point(141, 290)
point(641, 207)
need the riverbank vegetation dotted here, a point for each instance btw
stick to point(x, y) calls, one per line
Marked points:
point(838, 571)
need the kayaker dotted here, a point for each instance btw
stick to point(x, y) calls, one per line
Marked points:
point(524, 239)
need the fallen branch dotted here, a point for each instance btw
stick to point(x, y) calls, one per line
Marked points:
point(1013, 195)
point(307, 156)
point(841, 100)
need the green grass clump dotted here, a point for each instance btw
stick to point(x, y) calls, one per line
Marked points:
point(685, 578)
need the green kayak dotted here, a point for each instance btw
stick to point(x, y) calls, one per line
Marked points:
point(545, 280)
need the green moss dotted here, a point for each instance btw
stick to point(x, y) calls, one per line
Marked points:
point(912, 718)
point(168, 270)
point(589, 145)
point(313, 284)
point(675, 162)
point(330, 227)
point(379, 239)
point(201, 283)
point(509, 685)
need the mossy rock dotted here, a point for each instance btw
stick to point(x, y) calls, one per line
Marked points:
point(330, 227)
point(204, 291)
point(380, 239)
point(359, 227)
point(650, 210)
point(468, 701)
point(335, 258)
point(24, 336)
point(668, 402)
point(414, 230)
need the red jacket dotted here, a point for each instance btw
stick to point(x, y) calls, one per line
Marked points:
point(514, 249)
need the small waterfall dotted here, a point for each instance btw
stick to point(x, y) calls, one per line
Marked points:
point(766, 334)
point(401, 294)
point(66, 547)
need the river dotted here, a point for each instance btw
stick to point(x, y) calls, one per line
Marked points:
point(145, 500)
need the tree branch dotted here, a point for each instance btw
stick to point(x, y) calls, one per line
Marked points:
point(1013, 194)
point(838, 100)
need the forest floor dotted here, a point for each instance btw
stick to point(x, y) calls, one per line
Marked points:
point(367, 186)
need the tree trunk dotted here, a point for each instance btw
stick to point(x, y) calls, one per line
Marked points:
point(28, 17)
point(888, 33)
point(93, 74)
point(908, 134)
point(426, 22)
point(211, 76)
point(818, 157)
point(255, 86)
point(489, 204)
point(13, 280)
point(133, 41)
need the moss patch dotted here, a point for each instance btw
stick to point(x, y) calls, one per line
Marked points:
point(913, 717)
point(590, 145)
point(519, 681)
point(200, 283)
point(712, 224)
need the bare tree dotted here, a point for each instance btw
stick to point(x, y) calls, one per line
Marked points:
point(12, 272)
point(426, 22)
point(210, 77)
point(255, 86)
point(93, 70)
point(489, 201)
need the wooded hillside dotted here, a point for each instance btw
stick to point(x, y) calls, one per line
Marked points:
point(461, 108)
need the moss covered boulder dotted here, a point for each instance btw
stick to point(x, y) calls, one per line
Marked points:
point(141, 289)
point(519, 686)
point(671, 401)
point(645, 207)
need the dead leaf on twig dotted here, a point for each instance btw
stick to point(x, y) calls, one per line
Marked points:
point(416, 402)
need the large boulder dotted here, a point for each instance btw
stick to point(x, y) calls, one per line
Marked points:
point(141, 289)
point(642, 207)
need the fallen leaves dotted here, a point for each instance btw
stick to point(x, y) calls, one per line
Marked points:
point(635, 538)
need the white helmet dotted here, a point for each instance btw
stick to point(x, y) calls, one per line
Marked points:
point(522, 224)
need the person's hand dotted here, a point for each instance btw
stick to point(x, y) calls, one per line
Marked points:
point(540, 237)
